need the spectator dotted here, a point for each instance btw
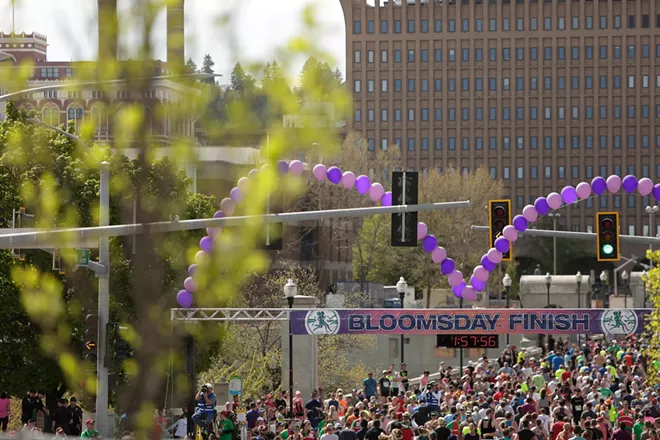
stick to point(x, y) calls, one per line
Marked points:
point(90, 432)
point(5, 403)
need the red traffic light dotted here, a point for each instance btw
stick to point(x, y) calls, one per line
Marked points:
point(607, 224)
point(499, 211)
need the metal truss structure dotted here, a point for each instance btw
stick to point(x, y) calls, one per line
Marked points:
point(241, 316)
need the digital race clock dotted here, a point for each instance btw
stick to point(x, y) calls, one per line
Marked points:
point(469, 341)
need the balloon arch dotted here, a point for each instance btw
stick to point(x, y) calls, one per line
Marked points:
point(377, 193)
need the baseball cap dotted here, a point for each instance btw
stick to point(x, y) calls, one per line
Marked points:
point(89, 421)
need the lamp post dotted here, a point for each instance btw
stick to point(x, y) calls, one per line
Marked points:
point(401, 287)
point(554, 216)
point(578, 280)
point(290, 291)
point(651, 210)
point(624, 278)
point(548, 282)
point(506, 281)
point(603, 280)
point(644, 285)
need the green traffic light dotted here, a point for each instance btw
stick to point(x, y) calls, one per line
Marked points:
point(608, 249)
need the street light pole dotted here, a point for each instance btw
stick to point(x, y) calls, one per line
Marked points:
point(401, 287)
point(554, 217)
point(290, 291)
point(603, 280)
point(506, 281)
point(460, 373)
point(624, 277)
point(578, 280)
point(651, 210)
point(548, 282)
point(103, 306)
point(644, 285)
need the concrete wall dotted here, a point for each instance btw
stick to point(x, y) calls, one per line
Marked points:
point(563, 291)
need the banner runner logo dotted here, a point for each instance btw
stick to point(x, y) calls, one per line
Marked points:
point(322, 322)
point(619, 322)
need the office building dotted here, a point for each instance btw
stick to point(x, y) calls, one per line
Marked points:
point(543, 93)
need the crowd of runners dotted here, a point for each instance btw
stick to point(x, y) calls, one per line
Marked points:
point(598, 391)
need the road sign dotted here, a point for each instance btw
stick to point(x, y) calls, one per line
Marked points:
point(82, 257)
point(404, 192)
point(235, 385)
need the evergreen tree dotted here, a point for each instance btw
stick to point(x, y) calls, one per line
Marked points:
point(190, 64)
point(207, 67)
point(241, 81)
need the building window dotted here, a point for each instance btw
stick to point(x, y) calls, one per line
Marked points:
point(411, 26)
point(383, 26)
point(357, 27)
point(51, 115)
point(370, 27)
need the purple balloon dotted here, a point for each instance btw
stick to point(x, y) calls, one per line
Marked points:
point(334, 175)
point(206, 244)
point(502, 244)
point(362, 184)
point(629, 183)
point(541, 205)
point(458, 290)
point(487, 264)
point(429, 243)
point(598, 185)
point(282, 167)
point(569, 195)
point(520, 223)
point(235, 195)
point(386, 200)
point(656, 192)
point(477, 283)
point(184, 298)
point(192, 269)
point(447, 266)
point(219, 214)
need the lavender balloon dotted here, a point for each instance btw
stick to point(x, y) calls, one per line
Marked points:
point(184, 298)
point(219, 214)
point(422, 230)
point(296, 167)
point(429, 243)
point(282, 167)
point(541, 205)
point(334, 175)
point(206, 244)
point(362, 184)
point(348, 180)
point(520, 223)
point(455, 278)
point(447, 266)
point(236, 195)
point(470, 293)
point(583, 190)
point(190, 285)
point(320, 171)
point(477, 283)
point(645, 186)
point(613, 183)
point(598, 185)
point(569, 195)
point(458, 290)
point(629, 183)
point(487, 264)
point(386, 200)
point(192, 269)
point(502, 244)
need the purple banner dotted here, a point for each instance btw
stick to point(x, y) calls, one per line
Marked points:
point(475, 321)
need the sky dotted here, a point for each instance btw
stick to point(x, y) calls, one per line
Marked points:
point(260, 27)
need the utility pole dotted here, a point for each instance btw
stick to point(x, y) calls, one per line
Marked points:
point(103, 307)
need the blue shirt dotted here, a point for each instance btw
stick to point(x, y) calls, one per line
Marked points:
point(251, 418)
point(556, 362)
point(370, 386)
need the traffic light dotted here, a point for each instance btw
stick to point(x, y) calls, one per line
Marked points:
point(499, 216)
point(90, 337)
point(405, 191)
point(607, 236)
point(122, 349)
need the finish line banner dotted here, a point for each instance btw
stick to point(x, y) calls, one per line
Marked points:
point(474, 321)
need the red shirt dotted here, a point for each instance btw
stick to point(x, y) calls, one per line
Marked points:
point(408, 434)
point(565, 376)
point(557, 427)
